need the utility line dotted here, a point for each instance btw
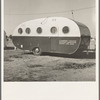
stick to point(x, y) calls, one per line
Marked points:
point(53, 12)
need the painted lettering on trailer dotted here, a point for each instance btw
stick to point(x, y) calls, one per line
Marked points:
point(67, 42)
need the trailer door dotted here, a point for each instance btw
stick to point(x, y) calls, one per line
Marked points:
point(54, 43)
point(54, 39)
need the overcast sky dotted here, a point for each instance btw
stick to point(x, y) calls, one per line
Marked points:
point(18, 11)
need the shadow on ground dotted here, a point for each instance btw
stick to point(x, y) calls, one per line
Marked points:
point(9, 48)
point(83, 55)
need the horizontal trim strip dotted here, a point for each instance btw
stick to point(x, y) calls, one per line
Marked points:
point(46, 36)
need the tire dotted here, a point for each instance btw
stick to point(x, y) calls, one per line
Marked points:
point(36, 51)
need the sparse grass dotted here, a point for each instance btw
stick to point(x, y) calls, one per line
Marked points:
point(33, 66)
point(31, 77)
point(8, 59)
point(26, 67)
point(15, 56)
point(78, 66)
point(20, 79)
point(43, 78)
point(73, 66)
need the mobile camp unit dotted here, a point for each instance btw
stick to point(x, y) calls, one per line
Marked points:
point(52, 34)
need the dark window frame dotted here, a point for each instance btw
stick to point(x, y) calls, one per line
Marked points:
point(65, 29)
point(39, 30)
point(20, 30)
point(28, 30)
point(53, 30)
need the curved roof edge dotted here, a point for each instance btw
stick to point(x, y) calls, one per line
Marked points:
point(84, 30)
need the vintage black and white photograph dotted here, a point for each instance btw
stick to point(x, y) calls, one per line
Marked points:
point(49, 40)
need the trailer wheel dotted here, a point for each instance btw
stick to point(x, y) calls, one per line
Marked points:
point(36, 51)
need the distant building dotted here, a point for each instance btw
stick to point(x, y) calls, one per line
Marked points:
point(5, 40)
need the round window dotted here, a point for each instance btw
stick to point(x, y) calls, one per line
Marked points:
point(28, 30)
point(53, 30)
point(20, 30)
point(39, 30)
point(65, 29)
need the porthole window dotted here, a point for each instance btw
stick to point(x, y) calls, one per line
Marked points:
point(65, 29)
point(20, 30)
point(28, 30)
point(53, 30)
point(39, 30)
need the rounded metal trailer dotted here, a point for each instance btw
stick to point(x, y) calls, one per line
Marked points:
point(52, 34)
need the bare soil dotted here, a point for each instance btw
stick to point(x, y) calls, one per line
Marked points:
point(24, 66)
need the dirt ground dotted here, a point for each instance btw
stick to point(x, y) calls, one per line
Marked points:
point(24, 66)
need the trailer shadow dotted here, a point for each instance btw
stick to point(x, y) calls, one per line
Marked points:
point(9, 48)
point(83, 55)
point(91, 55)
